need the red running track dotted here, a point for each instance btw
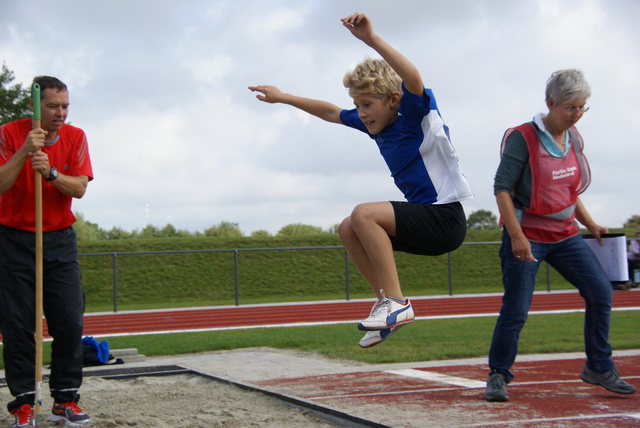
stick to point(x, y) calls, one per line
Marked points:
point(546, 392)
point(211, 318)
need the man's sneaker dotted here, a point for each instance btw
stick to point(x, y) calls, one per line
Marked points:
point(609, 380)
point(497, 388)
point(69, 413)
point(372, 338)
point(387, 313)
point(24, 416)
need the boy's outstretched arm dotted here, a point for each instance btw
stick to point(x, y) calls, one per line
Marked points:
point(322, 109)
point(361, 27)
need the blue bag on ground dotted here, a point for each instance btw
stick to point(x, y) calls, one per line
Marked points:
point(94, 352)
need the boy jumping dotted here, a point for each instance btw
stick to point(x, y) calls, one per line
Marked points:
point(394, 109)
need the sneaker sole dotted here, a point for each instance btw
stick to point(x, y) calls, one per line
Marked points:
point(497, 398)
point(588, 379)
point(382, 339)
point(53, 418)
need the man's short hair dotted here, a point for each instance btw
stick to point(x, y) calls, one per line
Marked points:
point(49, 82)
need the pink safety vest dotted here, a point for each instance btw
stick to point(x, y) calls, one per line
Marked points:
point(555, 186)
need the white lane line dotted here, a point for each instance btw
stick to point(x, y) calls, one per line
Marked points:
point(439, 377)
point(319, 323)
point(381, 394)
point(556, 420)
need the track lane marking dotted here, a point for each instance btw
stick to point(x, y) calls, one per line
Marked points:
point(379, 394)
point(98, 331)
point(559, 419)
point(439, 377)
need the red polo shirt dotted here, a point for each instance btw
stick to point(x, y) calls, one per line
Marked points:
point(69, 153)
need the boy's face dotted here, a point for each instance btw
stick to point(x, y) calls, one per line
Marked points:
point(375, 113)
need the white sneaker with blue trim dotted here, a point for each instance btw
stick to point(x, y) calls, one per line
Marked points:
point(387, 313)
point(374, 337)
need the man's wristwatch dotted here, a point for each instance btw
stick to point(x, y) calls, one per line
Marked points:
point(53, 174)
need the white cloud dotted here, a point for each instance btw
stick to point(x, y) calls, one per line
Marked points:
point(160, 87)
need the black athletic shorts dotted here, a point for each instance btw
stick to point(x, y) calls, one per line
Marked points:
point(429, 230)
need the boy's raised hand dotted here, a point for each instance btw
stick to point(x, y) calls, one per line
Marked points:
point(362, 28)
point(359, 25)
point(270, 94)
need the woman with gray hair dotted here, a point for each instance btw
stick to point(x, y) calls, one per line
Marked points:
point(537, 185)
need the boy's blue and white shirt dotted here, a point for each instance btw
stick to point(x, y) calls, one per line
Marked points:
point(418, 152)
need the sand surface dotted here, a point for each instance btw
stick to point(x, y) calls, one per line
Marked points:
point(191, 400)
point(184, 401)
point(202, 394)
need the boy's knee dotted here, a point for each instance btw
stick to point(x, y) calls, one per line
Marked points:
point(345, 229)
point(361, 213)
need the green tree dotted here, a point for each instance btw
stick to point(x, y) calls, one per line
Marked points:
point(149, 231)
point(333, 230)
point(85, 230)
point(117, 233)
point(224, 228)
point(297, 229)
point(633, 222)
point(482, 219)
point(14, 99)
point(260, 234)
point(169, 231)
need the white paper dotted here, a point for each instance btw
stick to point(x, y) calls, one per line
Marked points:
point(612, 255)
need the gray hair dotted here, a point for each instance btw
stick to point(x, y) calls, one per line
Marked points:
point(567, 85)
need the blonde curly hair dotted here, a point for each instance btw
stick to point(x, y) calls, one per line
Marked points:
point(373, 77)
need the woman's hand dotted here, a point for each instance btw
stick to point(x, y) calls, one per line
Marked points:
point(521, 248)
point(597, 231)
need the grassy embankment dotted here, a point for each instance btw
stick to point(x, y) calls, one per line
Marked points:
point(207, 278)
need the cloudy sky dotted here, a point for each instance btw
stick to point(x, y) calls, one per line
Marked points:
point(160, 87)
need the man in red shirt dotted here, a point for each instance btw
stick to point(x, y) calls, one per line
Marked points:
point(60, 153)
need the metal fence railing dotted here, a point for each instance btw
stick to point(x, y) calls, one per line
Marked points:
point(116, 256)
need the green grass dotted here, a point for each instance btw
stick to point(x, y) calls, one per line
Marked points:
point(207, 278)
point(180, 279)
point(423, 340)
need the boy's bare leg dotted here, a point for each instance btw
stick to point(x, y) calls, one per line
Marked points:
point(365, 235)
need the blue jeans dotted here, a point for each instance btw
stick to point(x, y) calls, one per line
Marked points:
point(575, 261)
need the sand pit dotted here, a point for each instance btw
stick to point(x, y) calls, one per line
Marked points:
point(183, 400)
point(188, 399)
